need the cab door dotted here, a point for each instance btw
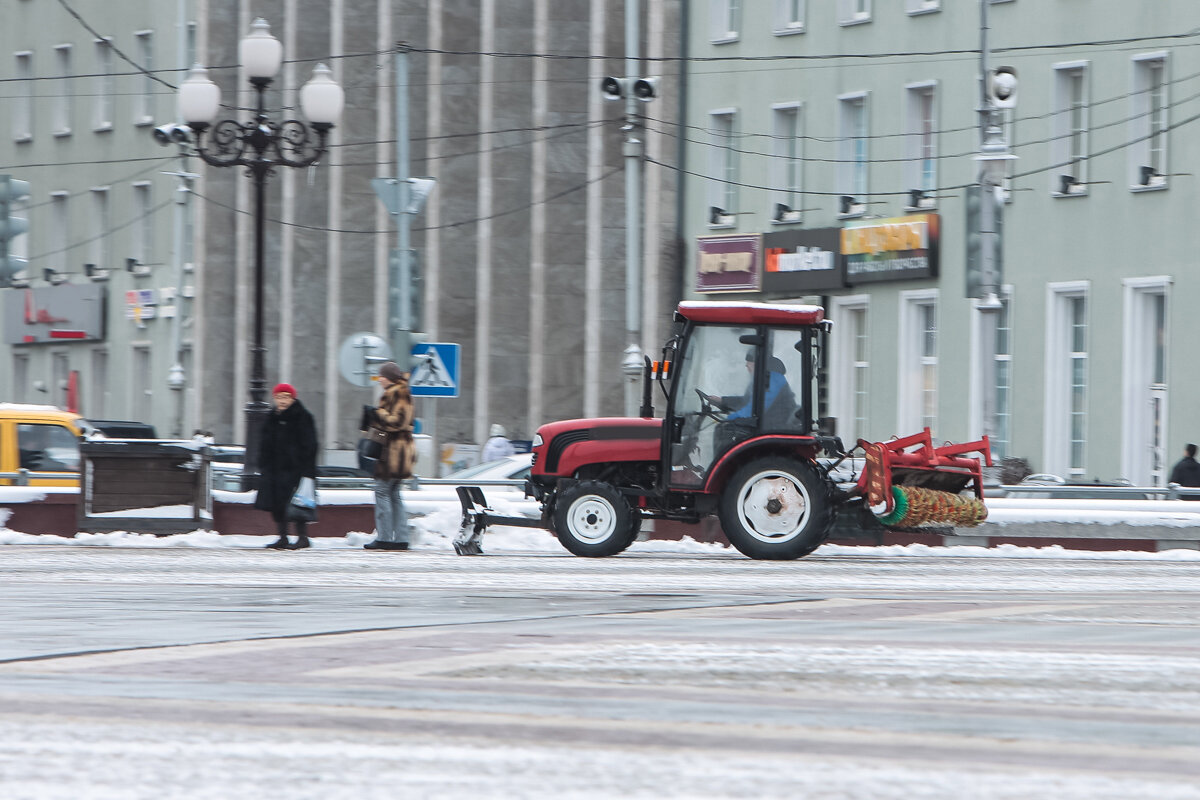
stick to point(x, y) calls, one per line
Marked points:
point(48, 447)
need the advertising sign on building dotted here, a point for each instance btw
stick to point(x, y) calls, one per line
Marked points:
point(899, 248)
point(728, 263)
point(804, 261)
point(71, 312)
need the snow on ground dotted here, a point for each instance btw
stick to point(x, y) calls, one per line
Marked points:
point(94, 761)
point(435, 531)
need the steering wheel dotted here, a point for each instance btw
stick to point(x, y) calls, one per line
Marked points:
point(709, 409)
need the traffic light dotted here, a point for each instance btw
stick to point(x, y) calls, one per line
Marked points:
point(11, 190)
point(645, 89)
point(1002, 87)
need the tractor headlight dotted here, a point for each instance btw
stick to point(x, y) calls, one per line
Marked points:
point(537, 440)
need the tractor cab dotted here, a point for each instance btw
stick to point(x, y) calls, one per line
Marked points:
point(737, 375)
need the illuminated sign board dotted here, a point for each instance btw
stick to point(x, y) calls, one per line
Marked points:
point(803, 260)
point(892, 249)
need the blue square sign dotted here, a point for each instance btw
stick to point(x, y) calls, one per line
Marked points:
point(435, 369)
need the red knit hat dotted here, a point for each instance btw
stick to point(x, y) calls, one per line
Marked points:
point(284, 388)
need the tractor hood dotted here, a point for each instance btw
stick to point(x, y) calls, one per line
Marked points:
point(563, 447)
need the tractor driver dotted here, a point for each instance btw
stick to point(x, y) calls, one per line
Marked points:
point(779, 402)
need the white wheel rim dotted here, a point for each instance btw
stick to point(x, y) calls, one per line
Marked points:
point(773, 507)
point(591, 519)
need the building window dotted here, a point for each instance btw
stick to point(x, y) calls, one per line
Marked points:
point(726, 20)
point(789, 16)
point(922, 6)
point(922, 145)
point(1067, 380)
point(60, 224)
point(1002, 375)
point(98, 246)
point(143, 113)
point(1148, 125)
point(850, 366)
point(142, 236)
point(22, 116)
point(1144, 381)
point(918, 335)
point(63, 98)
point(102, 116)
point(786, 164)
point(96, 399)
point(852, 151)
point(723, 167)
point(1069, 150)
point(20, 373)
point(853, 12)
point(143, 395)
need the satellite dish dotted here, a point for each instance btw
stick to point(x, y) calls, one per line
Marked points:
point(360, 355)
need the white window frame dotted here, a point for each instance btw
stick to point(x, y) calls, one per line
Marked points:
point(850, 377)
point(143, 113)
point(915, 7)
point(854, 12)
point(1070, 144)
point(914, 362)
point(977, 383)
point(725, 20)
point(102, 106)
point(1059, 361)
point(22, 101)
point(854, 157)
point(1149, 121)
point(64, 100)
point(723, 165)
point(787, 162)
point(1138, 374)
point(921, 141)
point(790, 17)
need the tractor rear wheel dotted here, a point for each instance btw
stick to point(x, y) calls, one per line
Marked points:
point(593, 519)
point(776, 508)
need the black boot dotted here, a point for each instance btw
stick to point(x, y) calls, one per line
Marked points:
point(300, 544)
point(279, 544)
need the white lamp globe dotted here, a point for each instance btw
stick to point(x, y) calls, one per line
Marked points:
point(199, 98)
point(322, 99)
point(260, 52)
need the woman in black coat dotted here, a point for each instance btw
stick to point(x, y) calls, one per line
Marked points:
point(287, 452)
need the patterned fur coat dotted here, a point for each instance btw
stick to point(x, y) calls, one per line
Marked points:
point(394, 416)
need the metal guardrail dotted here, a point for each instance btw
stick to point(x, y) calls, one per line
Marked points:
point(1083, 491)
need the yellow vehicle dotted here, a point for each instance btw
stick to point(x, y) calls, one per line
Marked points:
point(40, 439)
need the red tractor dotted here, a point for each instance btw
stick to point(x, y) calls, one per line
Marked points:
point(739, 440)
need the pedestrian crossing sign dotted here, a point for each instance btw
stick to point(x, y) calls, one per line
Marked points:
point(435, 369)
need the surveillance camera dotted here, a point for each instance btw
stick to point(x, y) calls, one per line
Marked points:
point(172, 132)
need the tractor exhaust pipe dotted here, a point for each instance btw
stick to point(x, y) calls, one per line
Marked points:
point(647, 409)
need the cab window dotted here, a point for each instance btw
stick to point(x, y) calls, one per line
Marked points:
point(47, 448)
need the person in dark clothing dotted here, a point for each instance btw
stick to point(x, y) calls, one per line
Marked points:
point(287, 452)
point(778, 400)
point(1186, 471)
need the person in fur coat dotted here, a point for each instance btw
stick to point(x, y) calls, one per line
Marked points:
point(287, 452)
point(393, 416)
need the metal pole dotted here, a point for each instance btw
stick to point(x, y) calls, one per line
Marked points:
point(401, 290)
point(631, 365)
point(993, 154)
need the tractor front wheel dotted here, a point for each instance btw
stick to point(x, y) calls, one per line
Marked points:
point(593, 519)
point(777, 509)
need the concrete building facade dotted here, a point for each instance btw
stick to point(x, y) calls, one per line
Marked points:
point(521, 245)
point(837, 145)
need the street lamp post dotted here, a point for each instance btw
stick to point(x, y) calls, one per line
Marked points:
point(260, 145)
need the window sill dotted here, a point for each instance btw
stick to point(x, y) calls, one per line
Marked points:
point(728, 38)
point(1138, 189)
point(103, 127)
point(142, 122)
point(62, 134)
point(845, 23)
point(22, 138)
point(790, 30)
